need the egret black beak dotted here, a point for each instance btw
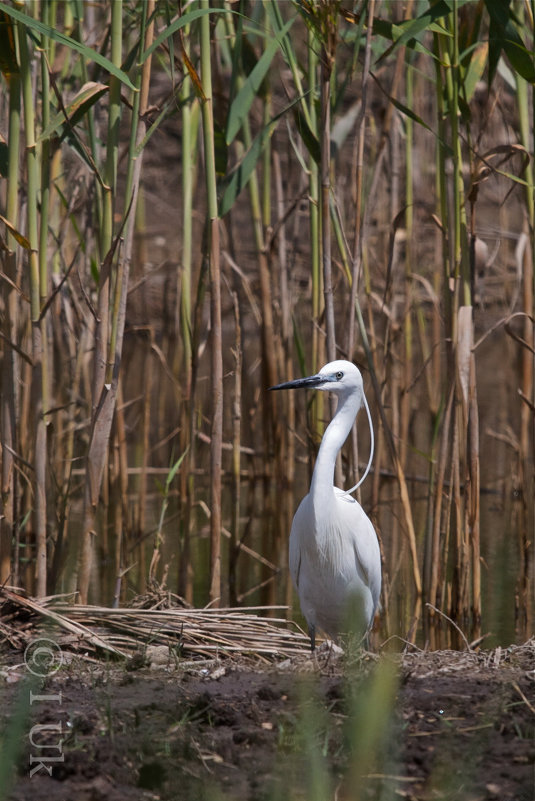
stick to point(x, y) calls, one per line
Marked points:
point(310, 382)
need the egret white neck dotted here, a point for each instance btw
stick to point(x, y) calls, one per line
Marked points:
point(335, 435)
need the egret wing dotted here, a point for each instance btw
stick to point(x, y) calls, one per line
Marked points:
point(365, 545)
point(368, 559)
point(299, 527)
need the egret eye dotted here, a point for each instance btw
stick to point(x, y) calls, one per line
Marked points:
point(339, 375)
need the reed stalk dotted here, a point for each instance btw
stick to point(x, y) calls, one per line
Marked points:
point(9, 397)
point(466, 590)
point(288, 444)
point(327, 59)
point(317, 356)
point(408, 356)
point(189, 155)
point(135, 162)
point(314, 213)
point(104, 380)
point(39, 385)
point(260, 210)
point(358, 181)
point(236, 456)
point(213, 257)
point(527, 409)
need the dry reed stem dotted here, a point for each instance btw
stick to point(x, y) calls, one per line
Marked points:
point(62, 621)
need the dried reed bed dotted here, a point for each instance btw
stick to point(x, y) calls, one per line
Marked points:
point(192, 633)
point(207, 634)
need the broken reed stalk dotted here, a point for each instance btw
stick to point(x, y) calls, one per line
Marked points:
point(213, 257)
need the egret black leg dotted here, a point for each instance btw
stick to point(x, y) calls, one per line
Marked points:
point(312, 635)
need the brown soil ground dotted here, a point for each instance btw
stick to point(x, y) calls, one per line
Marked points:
point(461, 727)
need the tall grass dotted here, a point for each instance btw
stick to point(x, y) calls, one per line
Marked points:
point(350, 167)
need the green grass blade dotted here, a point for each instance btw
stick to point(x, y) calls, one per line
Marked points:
point(13, 738)
point(174, 469)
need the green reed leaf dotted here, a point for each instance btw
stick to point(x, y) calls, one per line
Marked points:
point(244, 99)
point(61, 38)
point(76, 109)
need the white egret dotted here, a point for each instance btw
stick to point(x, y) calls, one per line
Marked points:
point(335, 559)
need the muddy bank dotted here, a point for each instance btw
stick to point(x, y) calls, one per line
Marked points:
point(460, 726)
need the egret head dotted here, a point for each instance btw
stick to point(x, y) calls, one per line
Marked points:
point(340, 376)
point(345, 380)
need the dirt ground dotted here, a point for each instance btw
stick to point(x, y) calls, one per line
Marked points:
point(460, 726)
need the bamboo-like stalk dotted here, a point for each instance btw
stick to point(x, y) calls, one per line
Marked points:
point(44, 211)
point(213, 255)
point(314, 213)
point(408, 329)
point(189, 130)
point(314, 202)
point(189, 152)
point(288, 443)
point(236, 456)
point(10, 367)
point(527, 414)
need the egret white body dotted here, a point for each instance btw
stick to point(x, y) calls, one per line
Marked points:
point(335, 560)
